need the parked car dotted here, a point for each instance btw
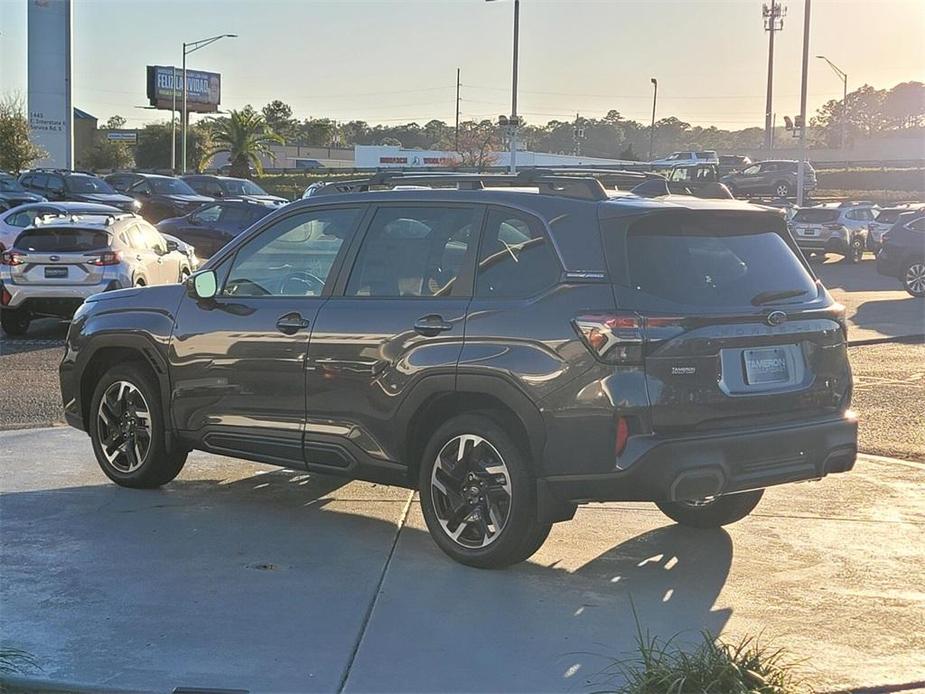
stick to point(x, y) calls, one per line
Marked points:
point(839, 228)
point(12, 222)
point(902, 254)
point(775, 178)
point(12, 194)
point(217, 187)
point(509, 353)
point(695, 179)
point(708, 157)
point(59, 185)
point(58, 262)
point(214, 225)
point(884, 221)
point(163, 197)
point(728, 163)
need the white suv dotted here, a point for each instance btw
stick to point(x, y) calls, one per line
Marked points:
point(60, 261)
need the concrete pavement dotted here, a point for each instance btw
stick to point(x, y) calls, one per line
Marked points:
point(244, 576)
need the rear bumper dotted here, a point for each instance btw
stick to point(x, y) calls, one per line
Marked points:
point(834, 244)
point(58, 300)
point(695, 466)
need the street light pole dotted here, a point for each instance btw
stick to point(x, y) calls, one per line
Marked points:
point(173, 124)
point(773, 22)
point(652, 128)
point(844, 104)
point(514, 121)
point(801, 167)
point(187, 49)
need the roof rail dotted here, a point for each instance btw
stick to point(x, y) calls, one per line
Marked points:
point(585, 184)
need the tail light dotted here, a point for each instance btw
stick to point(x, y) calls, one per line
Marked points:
point(106, 258)
point(11, 258)
point(624, 338)
point(623, 434)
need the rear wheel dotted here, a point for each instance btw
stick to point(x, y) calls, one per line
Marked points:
point(855, 250)
point(15, 321)
point(782, 189)
point(711, 512)
point(127, 429)
point(913, 278)
point(478, 496)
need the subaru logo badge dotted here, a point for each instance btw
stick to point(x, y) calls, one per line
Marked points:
point(776, 317)
point(54, 258)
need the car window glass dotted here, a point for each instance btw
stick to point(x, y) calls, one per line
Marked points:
point(135, 237)
point(516, 259)
point(236, 216)
point(208, 214)
point(752, 170)
point(153, 239)
point(413, 251)
point(292, 257)
point(56, 184)
point(141, 187)
point(213, 189)
point(24, 218)
point(918, 224)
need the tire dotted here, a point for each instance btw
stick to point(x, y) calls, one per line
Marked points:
point(855, 251)
point(913, 278)
point(722, 510)
point(130, 390)
point(494, 486)
point(782, 189)
point(15, 321)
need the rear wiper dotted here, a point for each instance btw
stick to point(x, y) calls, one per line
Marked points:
point(768, 297)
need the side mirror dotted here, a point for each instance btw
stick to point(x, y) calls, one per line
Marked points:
point(172, 246)
point(203, 285)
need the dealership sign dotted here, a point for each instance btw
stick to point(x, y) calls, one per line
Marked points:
point(129, 137)
point(51, 117)
point(203, 89)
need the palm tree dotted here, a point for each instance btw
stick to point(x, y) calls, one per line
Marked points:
point(246, 137)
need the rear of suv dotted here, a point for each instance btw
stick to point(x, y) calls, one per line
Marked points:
point(839, 228)
point(57, 263)
point(511, 351)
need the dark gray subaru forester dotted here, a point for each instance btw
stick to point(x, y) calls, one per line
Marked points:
point(511, 346)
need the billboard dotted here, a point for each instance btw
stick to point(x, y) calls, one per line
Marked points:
point(203, 89)
point(51, 116)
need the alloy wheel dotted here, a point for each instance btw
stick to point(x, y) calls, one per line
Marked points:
point(782, 191)
point(915, 278)
point(471, 491)
point(124, 426)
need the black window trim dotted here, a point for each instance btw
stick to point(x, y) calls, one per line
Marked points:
point(462, 289)
point(241, 240)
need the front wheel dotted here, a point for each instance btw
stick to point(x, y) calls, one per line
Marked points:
point(127, 429)
point(913, 278)
point(478, 496)
point(15, 321)
point(711, 512)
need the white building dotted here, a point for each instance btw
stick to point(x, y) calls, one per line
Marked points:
point(388, 157)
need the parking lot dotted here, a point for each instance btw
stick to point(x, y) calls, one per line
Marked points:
point(325, 585)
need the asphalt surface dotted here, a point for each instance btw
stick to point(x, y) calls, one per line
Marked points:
point(242, 576)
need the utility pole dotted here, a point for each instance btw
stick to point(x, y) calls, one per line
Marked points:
point(652, 128)
point(173, 124)
point(514, 120)
point(773, 22)
point(457, 109)
point(801, 167)
point(578, 134)
point(187, 49)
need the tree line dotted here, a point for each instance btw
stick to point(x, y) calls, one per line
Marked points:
point(247, 134)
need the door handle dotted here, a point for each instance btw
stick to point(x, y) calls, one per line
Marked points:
point(291, 323)
point(432, 325)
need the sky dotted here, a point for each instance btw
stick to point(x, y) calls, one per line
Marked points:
point(393, 61)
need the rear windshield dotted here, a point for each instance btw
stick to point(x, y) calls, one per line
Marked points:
point(241, 186)
point(68, 240)
point(704, 269)
point(816, 216)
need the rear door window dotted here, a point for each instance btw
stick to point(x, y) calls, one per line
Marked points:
point(413, 251)
point(704, 269)
point(66, 240)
